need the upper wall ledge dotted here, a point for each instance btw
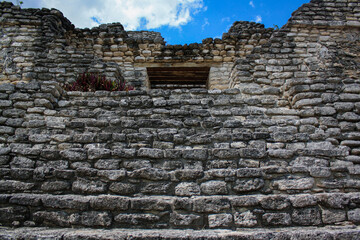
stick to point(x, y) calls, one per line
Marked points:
point(321, 13)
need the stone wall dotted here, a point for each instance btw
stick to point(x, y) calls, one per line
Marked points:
point(279, 146)
point(43, 45)
point(319, 45)
point(172, 159)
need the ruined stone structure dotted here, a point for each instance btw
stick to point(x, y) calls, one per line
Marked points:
point(268, 149)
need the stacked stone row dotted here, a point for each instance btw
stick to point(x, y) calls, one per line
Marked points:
point(230, 212)
point(328, 13)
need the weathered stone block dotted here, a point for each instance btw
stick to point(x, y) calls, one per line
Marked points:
point(214, 204)
point(331, 216)
point(252, 153)
point(187, 189)
point(123, 188)
point(151, 203)
point(154, 174)
point(55, 186)
point(10, 214)
point(66, 202)
point(335, 200)
point(151, 153)
point(306, 216)
point(214, 188)
point(74, 154)
point(220, 220)
point(245, 219)
point(107, 164)
point(7, 130)
point(189, 174)
point(225, 153)
point(244, 201)
point(195, 154)
point(248, 172)
point(303, 200)
point(185, 220)
point(136, 219)
point(26, 199)
point(60, 219)
point(280, 153)
point(106, 202)
point(112, 175)
point(354, 215)
point(91, 219)
point(88, 186)
point(320, 172)
point(294, 184)
point(97, 153)
point(15, 186)
point(156, 188)
point(124, 153)
point(84, 138)
point(275, 202)
point(277, 219)
point(248, 185)
point(22, 162)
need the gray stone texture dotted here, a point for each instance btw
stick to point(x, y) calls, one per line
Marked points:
point(273, 142)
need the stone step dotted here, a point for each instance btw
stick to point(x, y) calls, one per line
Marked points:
point(159, 181)
point(331, 233)
point(167, 212)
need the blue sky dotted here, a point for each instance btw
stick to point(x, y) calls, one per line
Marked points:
point(179, 21)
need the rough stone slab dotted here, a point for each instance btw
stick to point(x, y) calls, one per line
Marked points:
point(337, 233)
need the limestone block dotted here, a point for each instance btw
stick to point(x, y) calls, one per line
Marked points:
point(136, 219)
point(245, 219)
point(295, 184)
point(277, 219)
point(306, 216)
point(220, 220)
point(122, 188)
point(248, 185)
point(185, 220)
point(91, 219)
point(214, 188)
point(187, 189)
point(213, 204)
point(88, 186)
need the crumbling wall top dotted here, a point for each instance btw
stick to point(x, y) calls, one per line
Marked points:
point(333, 13)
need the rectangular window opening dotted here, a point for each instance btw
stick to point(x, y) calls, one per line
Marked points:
point(178, 77)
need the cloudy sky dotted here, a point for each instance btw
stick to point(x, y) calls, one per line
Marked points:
point(179, 21)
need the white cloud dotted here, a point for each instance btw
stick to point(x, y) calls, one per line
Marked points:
point(130, 13)
point(206, 23)
point(251, 3)
point(258, 19)
point(225, 19)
